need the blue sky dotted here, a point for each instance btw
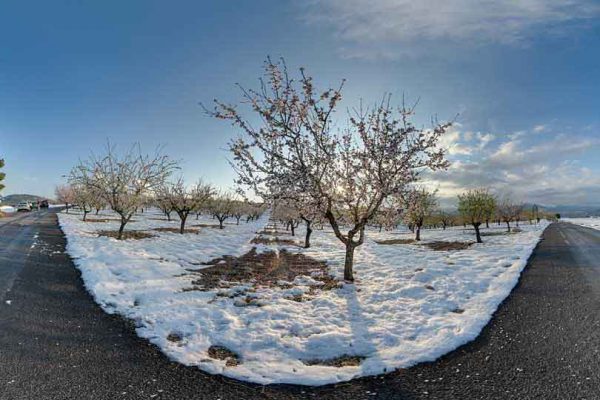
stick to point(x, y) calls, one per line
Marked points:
point(522, 75)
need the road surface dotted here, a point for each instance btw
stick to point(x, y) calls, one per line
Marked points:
point(56, 343)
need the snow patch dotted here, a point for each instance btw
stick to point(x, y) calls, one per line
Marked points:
point(409, 303)
point(589, 222)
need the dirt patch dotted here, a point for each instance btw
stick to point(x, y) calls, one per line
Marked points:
point(100, 219)
point(175, 337)
point(223, 353)
point(264, 269)
point(494, 233)
point(206, 226)
point(176, 230)
point(446, 246)
point(267, 232)
point(338, 362)
point(127, 234)
point(276, 240)
point(395, 241)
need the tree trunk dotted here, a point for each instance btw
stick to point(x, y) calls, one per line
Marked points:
point(349, 261)
point(293, 228)
point(487, 223)
point(97, 211)
point(85, 213)
point(308, 232)
point(476, 226)
point(238, 220)
point(121, 228)
point(182, 226)
point(444, 226)
point(418, 233)
point(221, 223)
point(67, 207)
point(507, 226)
point(168, 214)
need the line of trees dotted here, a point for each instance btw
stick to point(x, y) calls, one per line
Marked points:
point(128, 182)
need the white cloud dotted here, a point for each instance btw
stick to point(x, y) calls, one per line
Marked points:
point(459, 143)
point(376, 28)
point(545, 171)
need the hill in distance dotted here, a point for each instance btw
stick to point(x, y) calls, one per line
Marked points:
point(17, 198)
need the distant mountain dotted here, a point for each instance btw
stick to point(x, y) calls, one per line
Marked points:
point(572, 211)
point(17, 198)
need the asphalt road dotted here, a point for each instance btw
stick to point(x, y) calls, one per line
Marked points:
point(55, 343)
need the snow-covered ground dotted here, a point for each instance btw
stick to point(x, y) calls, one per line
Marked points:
point(590, 222)
point(409, 303)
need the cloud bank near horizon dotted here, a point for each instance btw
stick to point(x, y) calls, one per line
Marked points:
point(538, 165)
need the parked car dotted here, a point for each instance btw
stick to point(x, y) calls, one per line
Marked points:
point(23, 206)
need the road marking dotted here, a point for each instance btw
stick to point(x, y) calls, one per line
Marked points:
point(563, 236)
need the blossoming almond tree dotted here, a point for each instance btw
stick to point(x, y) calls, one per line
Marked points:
point(184, 200)
point(349, 173)
point(124, 181)
point(64, 195)
point(420, 204)
point(509, 210)
point(221, 206)
point(475, 206)
point(84, 197)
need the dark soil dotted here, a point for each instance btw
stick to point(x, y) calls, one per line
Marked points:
point(223, 353)
point(262, 269)
point(339, 362)
point(276, 240)
point(174, 337)
point(446, 246)
point(176, 230)
point(269, 232)
point(395, 241)
point(494, 233)
point(206, 226)
point(100, 219)
point(127, 234)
